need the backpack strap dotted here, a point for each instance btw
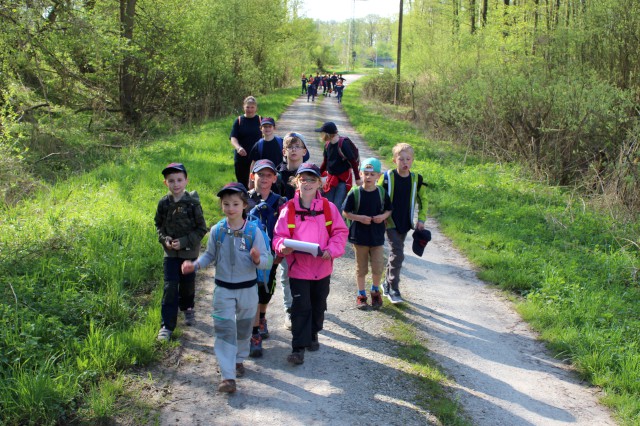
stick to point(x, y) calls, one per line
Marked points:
point(291, 215)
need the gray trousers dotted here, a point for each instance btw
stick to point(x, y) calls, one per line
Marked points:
point(396, 257)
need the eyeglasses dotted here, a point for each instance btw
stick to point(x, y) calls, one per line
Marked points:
point(295, 148)
point(308, 180)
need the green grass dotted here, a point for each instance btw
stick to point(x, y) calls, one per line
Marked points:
point(575, 269)
point(80, 272)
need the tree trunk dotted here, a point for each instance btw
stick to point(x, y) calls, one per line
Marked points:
point(472, 10)
point(130, 112)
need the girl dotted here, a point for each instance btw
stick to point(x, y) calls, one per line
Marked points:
point(311, 218)
point(236, 255)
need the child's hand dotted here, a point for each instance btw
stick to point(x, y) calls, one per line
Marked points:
point(358, 182)
point(365, 219)
point(378, 219)
point(419, 226)
point(326, 255)
point(167, 243)
point(255, 255)
point(286, 251)
point(175, 244)
point(188, 267)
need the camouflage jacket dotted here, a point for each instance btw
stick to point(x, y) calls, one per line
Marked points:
point(182, 220)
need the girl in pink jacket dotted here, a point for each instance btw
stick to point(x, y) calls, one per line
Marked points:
point(311, 218)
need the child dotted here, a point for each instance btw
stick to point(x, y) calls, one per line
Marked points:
point(180, 225)
point(235, 298)
point(368, 206)
point(268, 147)
point(311, 218)
point(339, 158)
point(304, 83)
point(339, 88)
point(405, 189)
point(266, 206)
point(294, 151)
point(312, 90)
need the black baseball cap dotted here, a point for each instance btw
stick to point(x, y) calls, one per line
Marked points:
point(420, 240)
point(173, 168)
point(233, 187)
point(328, 127)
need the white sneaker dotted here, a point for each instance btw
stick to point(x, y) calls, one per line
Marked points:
point(164, 335)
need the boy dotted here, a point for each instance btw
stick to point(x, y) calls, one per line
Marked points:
point(405, 189)
point(180, 226)
point(340, 156)
point(367, 207)
point(268, 147)
point(235, 298)
point(266, 206)
point(294, 151)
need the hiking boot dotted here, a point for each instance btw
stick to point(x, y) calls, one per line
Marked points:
point(296, 357)
point(315, 345)
point(227, 386)
point(376, 300)
point(189, 317)
point(164, 335)
point(264, 330)
point(361, 303)
point(255, 348)
point(394, 297)
point(240, 370)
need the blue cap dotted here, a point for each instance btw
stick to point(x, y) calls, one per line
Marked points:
point(173, 168)
point(268, 120)
point(233, 187)
point(371, 165)
point(308, 168)
point(263, 164)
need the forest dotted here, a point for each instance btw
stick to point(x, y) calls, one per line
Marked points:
point(88, 88)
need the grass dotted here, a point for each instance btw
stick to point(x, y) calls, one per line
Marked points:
point(80, 272)
point(575, 270)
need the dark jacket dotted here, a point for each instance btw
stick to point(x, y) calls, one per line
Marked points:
point(182, 220)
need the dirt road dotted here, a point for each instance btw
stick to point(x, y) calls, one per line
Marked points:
point(502, 375)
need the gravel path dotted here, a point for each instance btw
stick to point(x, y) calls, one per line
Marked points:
point(502, 374)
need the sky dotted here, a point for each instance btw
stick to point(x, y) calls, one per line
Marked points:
point(342, 10)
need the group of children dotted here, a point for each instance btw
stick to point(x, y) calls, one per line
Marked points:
point(299, 208)
point(329, 83)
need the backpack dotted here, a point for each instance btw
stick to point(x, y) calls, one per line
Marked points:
point(386, 181)
point(291, 215)
point(355, 162)
point(252, 226)
point(356, 200)
point(267, 211)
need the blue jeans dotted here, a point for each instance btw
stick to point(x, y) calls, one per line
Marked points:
point(337, 195)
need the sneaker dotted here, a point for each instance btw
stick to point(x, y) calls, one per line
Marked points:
point(255, 348)
point(227, 386)
point(264, 330)
point(287, 320)
point(376, 300)
point(385, 288)
point(164, 335)
point(394, 297)
point(296, 357)
point(189, 317)
point(315, 345)
point(361, 302)
point(240, 370)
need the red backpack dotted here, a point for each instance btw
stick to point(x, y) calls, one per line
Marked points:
point(291, 215)
point(355, 162)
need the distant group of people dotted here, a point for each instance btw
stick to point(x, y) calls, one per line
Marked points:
point(328, 83)
point(285, 216)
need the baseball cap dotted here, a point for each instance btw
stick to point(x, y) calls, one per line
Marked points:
point(308, 168)
point(268, 120)
point(420, 240)
point(174, 167)
point(263, 164)
point(297, 135)
point(371, 165)
point(328, 127)
point(232, 187)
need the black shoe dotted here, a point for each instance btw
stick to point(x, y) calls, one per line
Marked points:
point(315, 345)
point(296, 357)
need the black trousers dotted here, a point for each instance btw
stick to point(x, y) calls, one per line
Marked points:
point(307, 310)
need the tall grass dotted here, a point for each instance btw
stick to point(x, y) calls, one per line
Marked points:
point(80, 269)
point(575, 269)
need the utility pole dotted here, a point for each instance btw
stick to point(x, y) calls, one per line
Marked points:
point(397, 88)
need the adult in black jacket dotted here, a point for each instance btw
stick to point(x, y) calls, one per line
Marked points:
point(244, 134)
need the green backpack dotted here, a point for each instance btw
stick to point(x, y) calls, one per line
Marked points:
point(356, 200)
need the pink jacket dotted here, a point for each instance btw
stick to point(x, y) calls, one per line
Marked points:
point(311, 229)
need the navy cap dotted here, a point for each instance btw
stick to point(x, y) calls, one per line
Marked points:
point(263, 164)
point(308, 168)
point(233, 187)
point(173, 168)
point(328, 127)
point(420, 240)
point(268, 120)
